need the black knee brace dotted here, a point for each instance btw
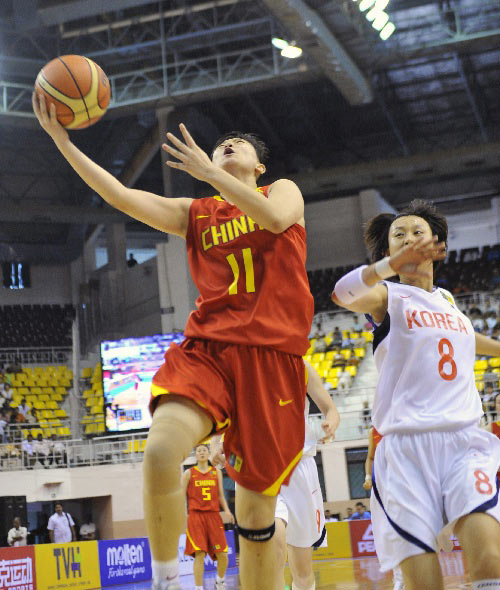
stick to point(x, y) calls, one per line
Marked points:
point(259, 536)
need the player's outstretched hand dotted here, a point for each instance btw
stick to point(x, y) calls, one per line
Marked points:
point(217, 457)
point(407, 260)
point(329, 426)
point(48, 118)
point(193, 159)
point(367, 484)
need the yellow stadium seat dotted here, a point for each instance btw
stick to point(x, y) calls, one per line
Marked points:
point(36, 390)
point(354, 334)
point(61, 390)
point(95, 410)
point(368, 336)
point(39, 405)
point(65, 383)
point(359, 353)
point(23, 391)
point(27, 370)
point(100, 428)
point(495, 362)
point(326, 364)
point(480, 386)
point(86, 372)
point(317, 357)
point(47, 432)
point(142, 445)
point(51, 405)
point(478, 375)
point(43, 397)
point(329, 355)
point(57, 397)
point(333, 381)
point(60, 414)
point(35, 432)
point(47, 414)
point(351, 370)
point(333, 372)
point(31, 399)
point(481, 365)
point(328, 339)
point(63, 431)
point(346, 353)
point(90, 429)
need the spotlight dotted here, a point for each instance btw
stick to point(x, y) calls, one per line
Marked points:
point(291, 51)
point(279, 43)
point(387, 31)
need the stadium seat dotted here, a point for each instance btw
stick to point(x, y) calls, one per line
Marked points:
point(87, 373)
point(480, 365)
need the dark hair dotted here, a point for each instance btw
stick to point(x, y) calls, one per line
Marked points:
point(376, 234)
point(203, 445)
point(260, 147)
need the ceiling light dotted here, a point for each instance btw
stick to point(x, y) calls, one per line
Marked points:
point(366, 4)
point(387, 31)
point(291, 51)
point(279, 43)
point(381, 4)
point(380, 21)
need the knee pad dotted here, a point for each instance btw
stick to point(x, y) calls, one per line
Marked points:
point(259, 535)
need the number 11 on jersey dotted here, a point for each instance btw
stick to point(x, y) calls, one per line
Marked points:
point(249, 272)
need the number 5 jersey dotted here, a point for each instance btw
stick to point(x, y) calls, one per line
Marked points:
point(253, 283)
point(424, 351)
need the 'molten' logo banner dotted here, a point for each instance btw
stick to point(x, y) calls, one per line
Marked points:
point(17, 568)
point(68, 565)
point(362, 542)
point(126, 560)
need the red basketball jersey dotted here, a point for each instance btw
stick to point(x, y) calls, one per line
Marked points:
point(203, 490)
point(495, 428)
point(253, 284)
point(377, 437)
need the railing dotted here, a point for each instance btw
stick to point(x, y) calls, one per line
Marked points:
point(39, 355)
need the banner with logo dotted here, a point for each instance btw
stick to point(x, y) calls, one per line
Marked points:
point(68, 565)
point(186, 562)
point(17, 568)
point(362, 542)
point(339, 542)
point(125, 560)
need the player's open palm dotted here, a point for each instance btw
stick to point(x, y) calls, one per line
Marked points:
point(193, 159)
point(409, 259)
point(48, 118)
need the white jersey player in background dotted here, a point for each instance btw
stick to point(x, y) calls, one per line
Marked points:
point(299, 516)
point(435, 469)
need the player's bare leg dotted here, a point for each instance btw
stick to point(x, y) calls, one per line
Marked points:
point(178, 425)
point(300, 560)
point(222, 561)
point(479, 536)
point(280, 544)
point(257, 559)
point(422, 572)
point(199, 567)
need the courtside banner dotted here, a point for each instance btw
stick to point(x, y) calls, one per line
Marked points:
point(67, 565)
point(17, 568)
point(362, 542)
point(125, 560)
point(339, 542)
point(186, 562)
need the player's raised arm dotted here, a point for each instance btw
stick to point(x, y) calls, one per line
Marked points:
point(487, 346)
point(167, 215)
point(370, 455)
point(284, 205)
point(222, 498)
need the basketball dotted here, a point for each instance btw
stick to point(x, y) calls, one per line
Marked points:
point(78, 87)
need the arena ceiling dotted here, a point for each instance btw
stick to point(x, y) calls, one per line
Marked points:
point(416, 115)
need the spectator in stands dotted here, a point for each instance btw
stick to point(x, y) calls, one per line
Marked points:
point(58, 451)
point(131, 260)
point(349, 514)
point(29, 418)
point(366, 416)
point(15, 366)
point(28, 452)
point(3, 424)
point(61, 526)
point(491, 320)
point(23, 408)
point(357, 326)
point(329, 517)
point(338, 360)
point(41, 448)
point(488, 398)
point(10, 450)
point(337, 337)
point(18, 534)
point(88, 530)
point(361, 512)
point(477, 320)
point(317, 330)
point(15, 417)
point(344, 379)
point(347, 341)
point(6, 392)
point(320, 345)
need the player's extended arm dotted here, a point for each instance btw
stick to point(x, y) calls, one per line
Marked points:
point(369, 461)
point(222, 498)
point(283, 207)
point(184, 484)
point(323, 400)
point(487, 346)
point(167, 215)
point(358, 290)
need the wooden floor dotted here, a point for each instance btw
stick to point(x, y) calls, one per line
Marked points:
point(341, 574)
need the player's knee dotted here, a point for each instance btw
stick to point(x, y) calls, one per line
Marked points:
point(486, 562)
point(161, 464)
point(257, 535)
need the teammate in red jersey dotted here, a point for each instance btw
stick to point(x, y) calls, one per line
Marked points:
point(202, 485)
point(241, 363)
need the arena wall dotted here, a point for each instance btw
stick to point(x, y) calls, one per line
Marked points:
point(49, 284)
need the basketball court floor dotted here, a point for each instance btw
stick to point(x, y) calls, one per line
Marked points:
point(341, 574)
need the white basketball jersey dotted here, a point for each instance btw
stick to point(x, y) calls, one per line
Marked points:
point(424, 351)
point(311, 438)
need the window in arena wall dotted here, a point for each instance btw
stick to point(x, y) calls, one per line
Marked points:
point(355, 459)
point(319, 464)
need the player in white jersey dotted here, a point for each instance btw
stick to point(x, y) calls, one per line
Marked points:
point(299, 516)
point(435, 469)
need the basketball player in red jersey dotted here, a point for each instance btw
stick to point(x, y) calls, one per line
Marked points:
point(202, 485)
point(241, 363)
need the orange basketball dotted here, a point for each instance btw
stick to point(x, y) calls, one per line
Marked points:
point(78, 87)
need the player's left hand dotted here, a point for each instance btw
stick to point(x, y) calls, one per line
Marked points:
point(193, 159)
point(229, 516)
point(217, 457)
point(329, 427)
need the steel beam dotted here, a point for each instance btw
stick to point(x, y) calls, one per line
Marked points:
point(310, 32)
point(68, 11)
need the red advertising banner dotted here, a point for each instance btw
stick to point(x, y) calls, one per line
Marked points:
point(17, 568)
point(362, 542)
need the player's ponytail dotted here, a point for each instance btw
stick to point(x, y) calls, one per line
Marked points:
point(376, 235)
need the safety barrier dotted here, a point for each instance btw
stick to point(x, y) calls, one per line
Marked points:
point(87, 565)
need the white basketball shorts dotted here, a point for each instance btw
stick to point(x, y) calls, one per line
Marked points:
point(424, 482)
point(300, 505)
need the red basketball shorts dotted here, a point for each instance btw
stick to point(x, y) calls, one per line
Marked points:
point(205, 532)
point(255, 394)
